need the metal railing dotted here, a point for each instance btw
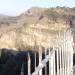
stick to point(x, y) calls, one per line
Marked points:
point(58, 61)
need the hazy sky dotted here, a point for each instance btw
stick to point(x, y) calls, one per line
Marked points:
point(16, 7)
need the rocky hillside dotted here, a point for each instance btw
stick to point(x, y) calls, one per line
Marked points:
point(37, 26)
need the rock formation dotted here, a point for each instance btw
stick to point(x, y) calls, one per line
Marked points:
point(37, 26)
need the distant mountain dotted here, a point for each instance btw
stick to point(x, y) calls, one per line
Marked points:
point(3, 16)
point(5, 19)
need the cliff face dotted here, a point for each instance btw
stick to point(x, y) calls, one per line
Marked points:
point(37, 26)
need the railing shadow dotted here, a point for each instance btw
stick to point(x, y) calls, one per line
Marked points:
point(11, 61)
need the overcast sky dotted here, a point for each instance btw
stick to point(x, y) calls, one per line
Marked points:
point(16, 7)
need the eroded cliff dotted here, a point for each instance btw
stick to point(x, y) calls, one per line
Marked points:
point(37, 26)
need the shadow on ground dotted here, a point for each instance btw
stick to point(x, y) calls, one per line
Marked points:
point(11, 61)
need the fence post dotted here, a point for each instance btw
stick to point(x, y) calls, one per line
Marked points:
point(65, 51)
point(71, 50)
point(52, 64)
point(54, 68)
point(57, 53)
point(63, 56)
point(59, 46)
point(68, 53)
point(35, 60)
point(67, 43)
point(45, 64)
point(22, 69)
point(29, 64)
point(49, 63)
point(40, 59)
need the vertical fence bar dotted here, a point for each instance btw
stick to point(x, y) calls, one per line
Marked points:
point(60, 45)
point(35, 60)
point(67, 39)
point(45, 64)
point(71, 45)
point(68, 51)
point(52, 65)
point(29, 64)
point(49, 63)
point(22, 69)
point(40, 59)
point(60, 63)
point(65, 51)
point(68, 58)
point(57, 52)
point(62, 55)
point(69, 55)
point(54, 71)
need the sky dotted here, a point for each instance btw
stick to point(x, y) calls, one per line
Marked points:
point(16, 7)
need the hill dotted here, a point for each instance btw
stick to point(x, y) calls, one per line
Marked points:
point(37, 26)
